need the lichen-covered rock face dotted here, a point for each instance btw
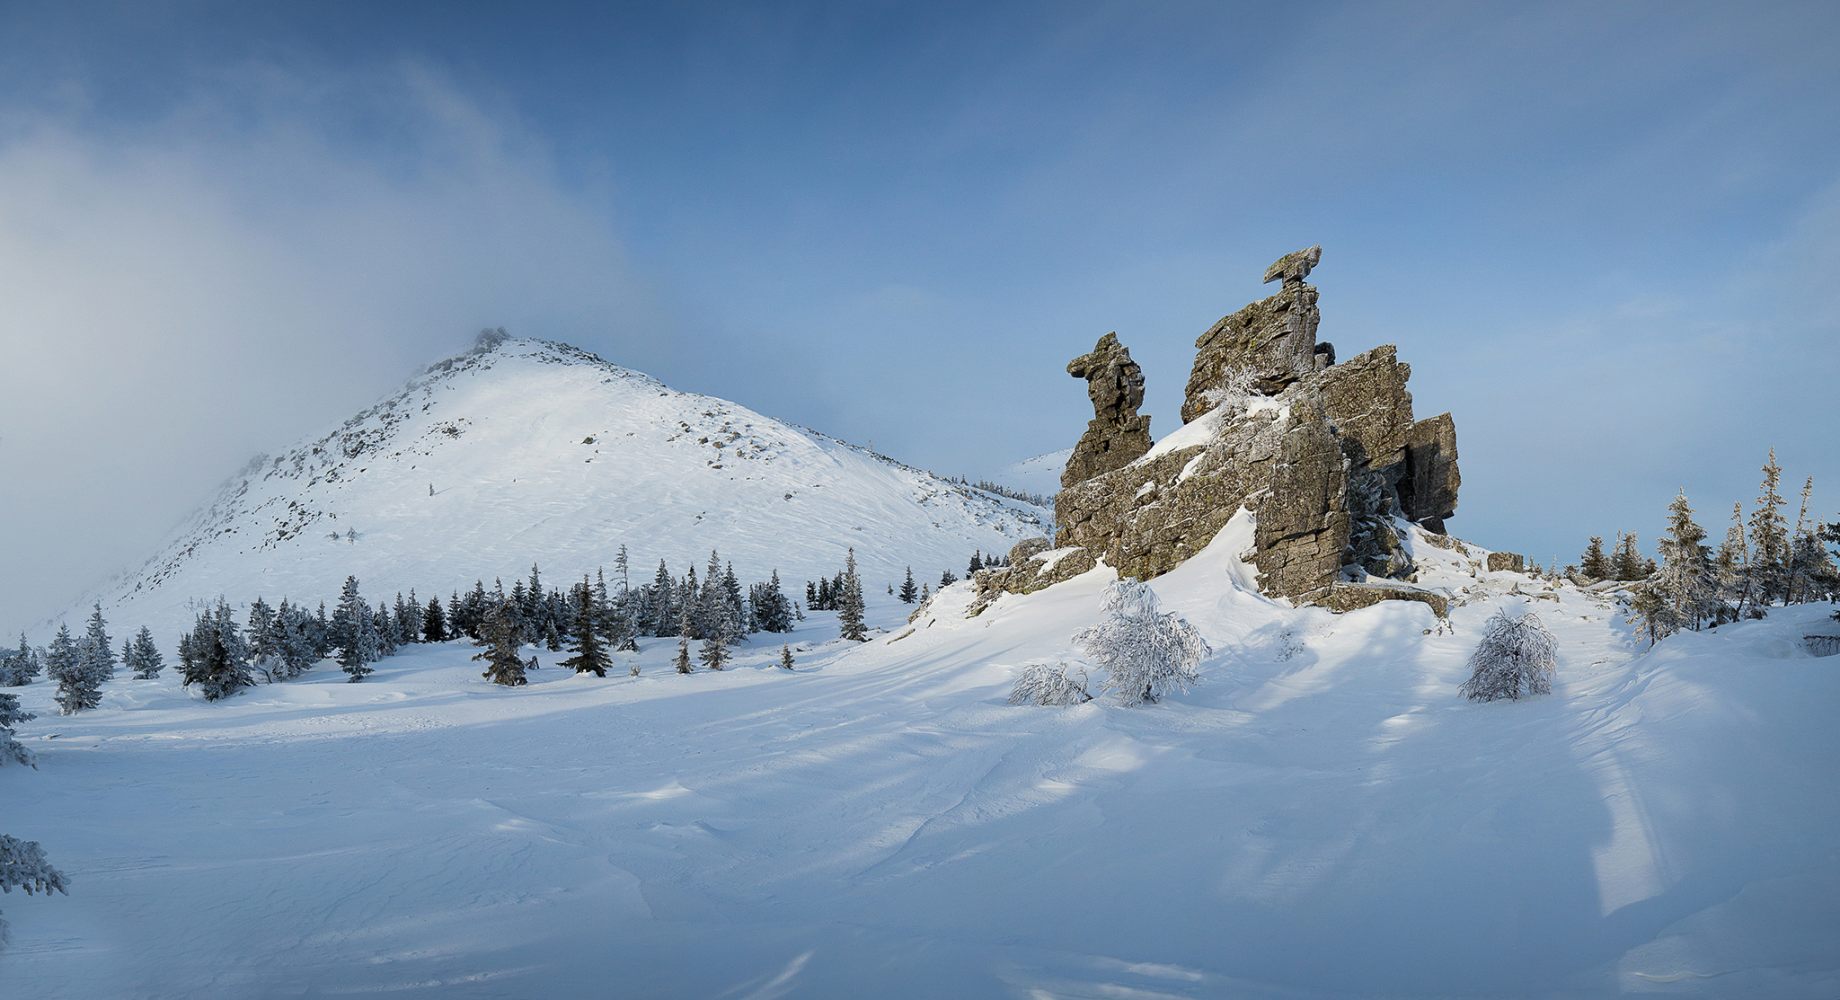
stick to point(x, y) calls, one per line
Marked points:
point(1272, 341)
point(1117, 434)
point(1365, 398)
point(1428, 490)
point(1303, 523)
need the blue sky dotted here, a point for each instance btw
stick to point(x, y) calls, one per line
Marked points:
point(1605, 236)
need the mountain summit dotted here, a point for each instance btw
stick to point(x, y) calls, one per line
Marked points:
point(523, 451)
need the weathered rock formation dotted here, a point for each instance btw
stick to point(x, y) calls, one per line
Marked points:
point(1271, 343)
point(1327, 456)
point(1117, 434)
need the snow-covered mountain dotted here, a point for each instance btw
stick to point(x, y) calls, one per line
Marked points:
point(530, 451)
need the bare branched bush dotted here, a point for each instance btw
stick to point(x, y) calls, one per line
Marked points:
point(1050, 684)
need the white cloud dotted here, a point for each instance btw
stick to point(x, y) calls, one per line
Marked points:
point(277, 249)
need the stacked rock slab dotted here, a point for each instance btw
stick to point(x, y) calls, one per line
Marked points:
point(1328, 457)
point(1117, 434)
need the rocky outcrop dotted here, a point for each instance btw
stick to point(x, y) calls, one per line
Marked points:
point(1117, 434)
point(1342, 598)
point(1034, 564)
point(1265, 346)
point(1326, 456)
point(1511, 562)
point(1329, 459)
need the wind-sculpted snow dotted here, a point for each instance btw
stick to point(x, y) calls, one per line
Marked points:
point(1321, 815)
point(534, 451)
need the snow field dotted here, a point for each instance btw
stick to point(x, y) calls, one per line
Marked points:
point(1320, 816)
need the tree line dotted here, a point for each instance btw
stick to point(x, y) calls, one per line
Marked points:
point(1763, 561)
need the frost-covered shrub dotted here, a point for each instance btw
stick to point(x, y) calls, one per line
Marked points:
point(1146, 653)
point(1515, 659)
point(1234, 391)
point(1050, 684)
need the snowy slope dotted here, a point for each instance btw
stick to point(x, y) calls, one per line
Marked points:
point(1040, 475)
point(536, 451)
point(1322, 816)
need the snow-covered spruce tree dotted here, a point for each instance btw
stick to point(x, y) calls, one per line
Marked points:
point(384, 624)
point(434, 622)
point(144, 656)
point(1769, 538)
point(1733, 569)
point(946, 579)
point(1685, 594)
point(589, 655)
point(343, 626)
point(772, 611)
point(1515, 659)
point(1628, 564)
point(408, 619)
point(723, 627)
point(684, 627)
point(734, 606)
point(19, 666)
point(850, 603)
point(714, 654)
point(909, 593)
point(1825, 574)
point(264, 634)
point(1050, 684)
point(297, 634)
point(23, 864)
point(217, 657)
point(1594, 565)
point(79, 684)
point(12, 715)
point(690, 598)
point(785, 656)
point(1812, 574)
point(1145, 652)
point(666, 622)
point(503, 636)
point(97, 645)
point(354, 632)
